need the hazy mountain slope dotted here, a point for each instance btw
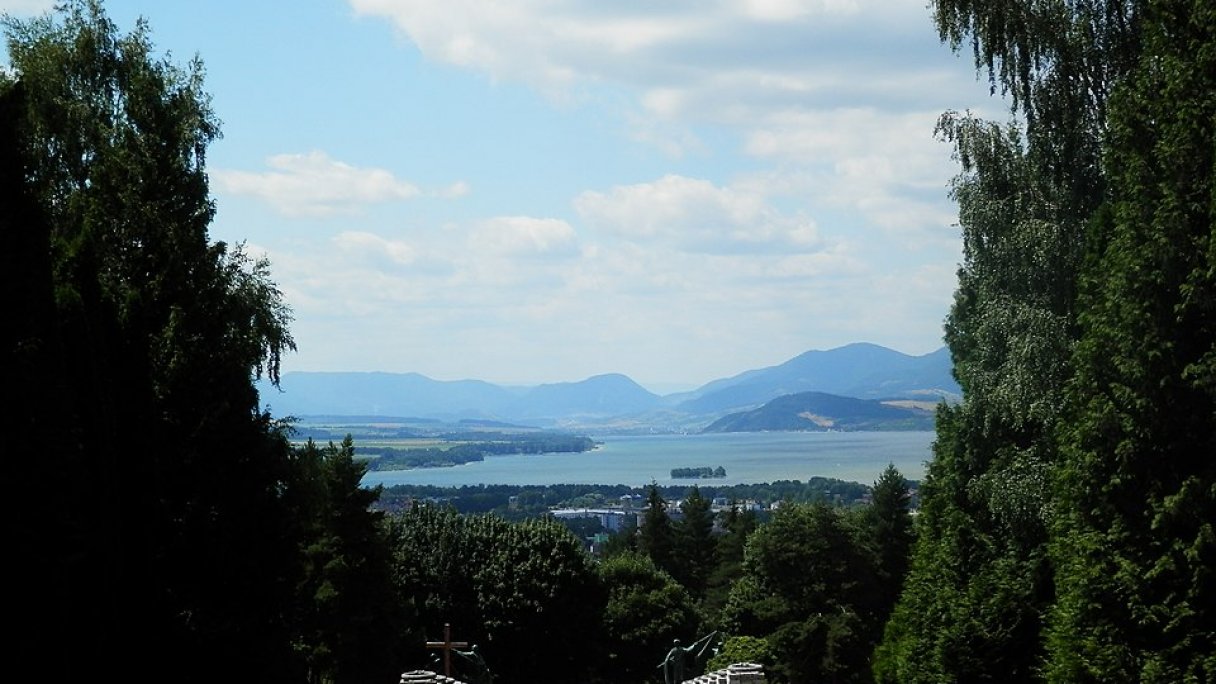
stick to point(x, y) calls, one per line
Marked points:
point(816, 411)
point(602, 395)
point(861, 370)
point(398, 394)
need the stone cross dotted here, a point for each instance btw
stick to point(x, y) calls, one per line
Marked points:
point(447, 645)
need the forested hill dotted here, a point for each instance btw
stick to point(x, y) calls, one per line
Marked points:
point(817, 411)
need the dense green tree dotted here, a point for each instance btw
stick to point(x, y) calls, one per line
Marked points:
point(808, 589)
point(584, 528)
point(981, 579)
point(645, 611)
point(523, 592)
point(694, 543)
point(1135, 541)
point(737, 526)
point(172, 542)
point(1089, 498)
point(888, 522)
point(656, 535)
point(823, 647)
point(741, 649)
point(352, 621)
point(51, 540)
point(985, 493)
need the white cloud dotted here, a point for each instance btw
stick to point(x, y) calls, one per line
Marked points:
point(843, 135)
point(314, 184)
point(696, 216)
point(788, 10)
point(521, 235)
point(667, 49)
point(673, 140)
point(454, 191)
point(371, 246)
point(830, 104)
point(19, 8)
point(885, 166)
point(846, 90)
point(641, 307)
point(720, 265)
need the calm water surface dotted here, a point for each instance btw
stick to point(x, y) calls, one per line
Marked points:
point(748, 457)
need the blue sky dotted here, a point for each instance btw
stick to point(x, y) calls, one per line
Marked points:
point(541, 191)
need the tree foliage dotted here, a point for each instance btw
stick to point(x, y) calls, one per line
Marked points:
point(1066, 521)
point(982, 500)
point(1135, 540)
point(737, 526)
point(808, 590)
point(351, 619)
point(1068, 482)
point(656, 535)
point(172, 541)
point(741, 649)
point(888, 521)
point(694, 543)
point(511, 588)
point(646, 609)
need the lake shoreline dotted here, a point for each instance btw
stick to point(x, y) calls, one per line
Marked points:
point(638, 460)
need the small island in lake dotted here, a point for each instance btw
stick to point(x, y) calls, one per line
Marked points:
point(702, 473)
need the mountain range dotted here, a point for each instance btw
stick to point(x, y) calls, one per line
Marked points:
point(861, 371)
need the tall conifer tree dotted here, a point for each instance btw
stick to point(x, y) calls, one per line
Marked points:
point(981, 578)
point(694, 543)
point(889, 523)
point(1135, 543)
point(656, 536)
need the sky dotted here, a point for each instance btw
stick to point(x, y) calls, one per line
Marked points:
point(539, 191)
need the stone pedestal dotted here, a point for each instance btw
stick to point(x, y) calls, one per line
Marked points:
point(426, 677)
point(739, 673)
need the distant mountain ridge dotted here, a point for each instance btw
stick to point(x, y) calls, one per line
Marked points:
point(861, 370)
point(378, 393)
point(600, 395)
point(614, 401)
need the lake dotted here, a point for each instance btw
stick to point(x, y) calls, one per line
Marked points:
point(747, 457)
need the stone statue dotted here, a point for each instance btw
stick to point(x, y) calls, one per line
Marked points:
point(475, 670)
point(686, 660)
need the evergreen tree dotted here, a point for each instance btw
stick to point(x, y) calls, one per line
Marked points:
point(1095, 488)
point(352, 620)
point(694, 543)
point(741, 649)
point(737, 526)
point(980, 578)
point(1135, 542)
point(980, 581)
point(889, 524)
point(656, 536)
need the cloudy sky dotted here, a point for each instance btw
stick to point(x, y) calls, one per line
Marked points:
point(533, 191)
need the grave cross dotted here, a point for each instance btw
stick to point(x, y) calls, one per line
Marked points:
point(447, 645)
